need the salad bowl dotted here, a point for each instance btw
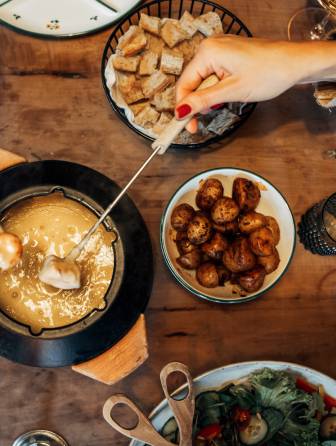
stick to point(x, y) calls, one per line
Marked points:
point(308, 381)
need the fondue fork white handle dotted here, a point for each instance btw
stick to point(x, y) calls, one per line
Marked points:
point(175, 127)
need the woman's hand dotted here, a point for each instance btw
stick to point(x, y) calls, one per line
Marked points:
point(250, 70)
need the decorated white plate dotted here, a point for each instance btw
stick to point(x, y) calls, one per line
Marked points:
point(271, 203)
point(62, 18)
point(217, 378)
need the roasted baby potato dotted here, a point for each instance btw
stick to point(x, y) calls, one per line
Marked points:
point(223, 274)
point(230, 227)
point(199, 229)
point(270, 263)
point(262, 242)
point(210, 191)
point(273, 226)
point(246, 194)
point(252, 280)
point(251, 221)
point(182, 216)
point(215, 247)
point(184, 246)
point(238, 257)
point(207, 275)
point(191, 260)
point(224, 210)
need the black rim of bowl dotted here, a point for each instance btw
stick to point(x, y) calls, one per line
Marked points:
point(146, 7)
point(182, 281)
point(136, 285)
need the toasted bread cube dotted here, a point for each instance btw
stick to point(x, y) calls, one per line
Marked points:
point(188, 48)
point(162, 123)
point(132, 42)
point(130, 88)
point(173, 33)
point(154, 43)
point(148, 64)
point(155, 83)
point(150, 24)
point(147, 117)
point(209, 24)
point(129, 64)
point(165, 101)
point(136, 108)
point(187, 22)
point(171, 63)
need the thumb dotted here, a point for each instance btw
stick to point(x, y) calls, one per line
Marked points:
point(202, 100)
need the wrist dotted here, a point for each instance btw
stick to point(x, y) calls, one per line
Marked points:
point(314, 61)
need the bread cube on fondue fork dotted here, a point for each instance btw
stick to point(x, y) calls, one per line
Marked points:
point(10, 250)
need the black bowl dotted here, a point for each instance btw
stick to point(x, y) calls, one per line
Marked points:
point(130, 287)
point(174, 9)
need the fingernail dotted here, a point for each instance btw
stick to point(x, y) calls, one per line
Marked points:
point(216, 106)
point(183, 110)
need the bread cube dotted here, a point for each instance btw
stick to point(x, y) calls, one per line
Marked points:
point(150, 24)
point(129, 64)
point(148, 63)
point(171, 63)
point(209, 24)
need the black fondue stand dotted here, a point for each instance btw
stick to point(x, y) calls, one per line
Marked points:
point(107, 346)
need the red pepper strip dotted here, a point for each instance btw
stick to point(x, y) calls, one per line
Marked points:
point(210, 432)
point(305, 386)
point(329, 401)
point(241, 417)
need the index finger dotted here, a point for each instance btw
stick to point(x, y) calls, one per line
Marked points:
point(194, 73)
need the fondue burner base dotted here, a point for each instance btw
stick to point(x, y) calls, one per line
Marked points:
point(120, 327)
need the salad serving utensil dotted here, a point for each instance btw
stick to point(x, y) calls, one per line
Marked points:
point(64, 272)
point(183, 410)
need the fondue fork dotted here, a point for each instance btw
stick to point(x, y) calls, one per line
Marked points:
point(183, 411)
point(64, 273)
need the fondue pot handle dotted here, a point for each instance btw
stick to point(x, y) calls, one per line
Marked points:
point(175, 127)
point(183, 408)
point(143, 431)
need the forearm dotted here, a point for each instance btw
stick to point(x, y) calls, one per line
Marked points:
point(315, 61)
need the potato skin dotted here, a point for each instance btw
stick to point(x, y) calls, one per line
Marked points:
point(239, 257)
point(246, 194)
point(190, 260)
point(252, 280)
point(199, 229)
point(182, 216)
point(251, 221)
point(210, 191)
point(215, 247)
point(270, 263)
point(224, 210)
point(230, 227)
point(262, 242)
point(184, 246)
point(223, 274)
point(273, 226)
point(207, 275)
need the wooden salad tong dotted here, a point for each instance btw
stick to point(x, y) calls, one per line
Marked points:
point(183, 411)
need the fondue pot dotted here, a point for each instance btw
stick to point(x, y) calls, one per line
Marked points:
point(131, 283)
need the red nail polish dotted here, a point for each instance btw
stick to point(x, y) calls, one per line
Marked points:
point(183, 110)
point(216, 106)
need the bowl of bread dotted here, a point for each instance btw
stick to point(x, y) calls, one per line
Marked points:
point(144, 57)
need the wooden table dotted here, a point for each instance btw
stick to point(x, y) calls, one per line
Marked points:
point(52, 106)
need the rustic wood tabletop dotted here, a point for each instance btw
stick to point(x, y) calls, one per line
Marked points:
point(52, 106)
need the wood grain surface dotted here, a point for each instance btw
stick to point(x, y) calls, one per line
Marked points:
point(52, 106)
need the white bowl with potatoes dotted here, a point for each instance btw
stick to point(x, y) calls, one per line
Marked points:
point(227, 235)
